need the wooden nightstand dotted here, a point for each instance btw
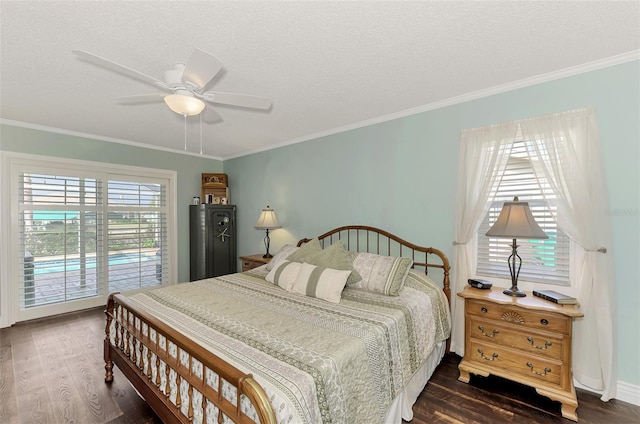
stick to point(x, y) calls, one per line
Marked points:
point(524, 339)
point(253, 261)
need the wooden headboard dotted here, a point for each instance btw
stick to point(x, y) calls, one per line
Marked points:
point(360, 238)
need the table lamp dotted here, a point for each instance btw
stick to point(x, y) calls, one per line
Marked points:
point(267, 221)
point(516, 221)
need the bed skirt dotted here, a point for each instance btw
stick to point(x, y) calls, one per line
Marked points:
point(402, 406)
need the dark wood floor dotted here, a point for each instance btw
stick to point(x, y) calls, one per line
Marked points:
point(51, 371)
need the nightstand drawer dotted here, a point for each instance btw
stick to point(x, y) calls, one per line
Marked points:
point(247, 265)
point(523, 339)
point(253, 261)
point(543, 321)
point(517, 363)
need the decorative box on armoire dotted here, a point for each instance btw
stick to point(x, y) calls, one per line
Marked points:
point(212, 240)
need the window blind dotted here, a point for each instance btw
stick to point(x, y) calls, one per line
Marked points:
point(544, 261)
point(60, 238)
point(84, 236)
point(137, 229)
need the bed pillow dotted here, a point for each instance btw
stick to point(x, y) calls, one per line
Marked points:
point(334, 256)
point(382, 274)
point(281, 255)
point(307, 250)
point(320, 282)
point(284, 274)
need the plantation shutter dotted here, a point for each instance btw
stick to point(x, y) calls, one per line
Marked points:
point(137, 233)
point(60, 238)
point(544, 261)
point(85, 236)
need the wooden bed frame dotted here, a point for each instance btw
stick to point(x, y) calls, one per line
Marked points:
point(151, 354)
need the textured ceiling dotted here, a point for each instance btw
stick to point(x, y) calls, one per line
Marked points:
point(326, 65)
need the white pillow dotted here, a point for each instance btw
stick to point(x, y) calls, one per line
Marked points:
point(281, 255)
point(320, 282)
point(284, 274)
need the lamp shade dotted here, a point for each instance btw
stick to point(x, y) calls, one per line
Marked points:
point(184, 104)
point(267, 220)
point(516, 221)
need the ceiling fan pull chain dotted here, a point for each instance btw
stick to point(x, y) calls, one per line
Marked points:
point(185, 132)
point(201, 134)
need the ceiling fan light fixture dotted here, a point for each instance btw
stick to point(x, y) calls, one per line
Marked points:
point(184, 105)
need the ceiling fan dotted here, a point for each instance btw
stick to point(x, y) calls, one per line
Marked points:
point(186, 83)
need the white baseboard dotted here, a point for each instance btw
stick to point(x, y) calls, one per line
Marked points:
point(628, 392)
point(625, 392)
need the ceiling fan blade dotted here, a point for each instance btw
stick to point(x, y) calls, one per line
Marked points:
point(209, 115)
point(143, 98)
point(235, 99)
point(108, 64)
point(200, 69)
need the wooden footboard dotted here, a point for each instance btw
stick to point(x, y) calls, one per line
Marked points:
point(179, 379)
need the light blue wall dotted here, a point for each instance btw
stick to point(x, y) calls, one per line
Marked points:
point(401, 176)
point(188, 168)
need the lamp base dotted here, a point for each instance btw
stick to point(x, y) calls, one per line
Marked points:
point(512, 261)
point(514, 291)
point(267, 241)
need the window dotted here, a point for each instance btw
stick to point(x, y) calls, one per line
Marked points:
point(60, 238)
point(563, 151)
point(84, 230)
point(543, 261)
point(136, 234)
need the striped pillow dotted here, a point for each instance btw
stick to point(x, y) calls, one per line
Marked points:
point(320, 282)
point(284, 274)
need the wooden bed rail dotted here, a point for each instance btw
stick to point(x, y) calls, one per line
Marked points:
point(172, 372)
point(362, 238)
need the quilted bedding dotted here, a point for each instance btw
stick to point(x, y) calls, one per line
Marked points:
point(317, 361)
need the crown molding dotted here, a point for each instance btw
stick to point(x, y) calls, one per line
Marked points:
point(503, 88)
point(101, 138)
point(498, 89)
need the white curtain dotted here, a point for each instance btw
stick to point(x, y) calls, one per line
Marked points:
point(569, 150)
point(483, 151)
point(566, 152)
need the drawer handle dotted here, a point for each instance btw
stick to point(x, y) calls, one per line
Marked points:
point(546, 344)
point(495, 331)
point(542, 374)
point(544, 321)
point(493, 357)
point(484, 310)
